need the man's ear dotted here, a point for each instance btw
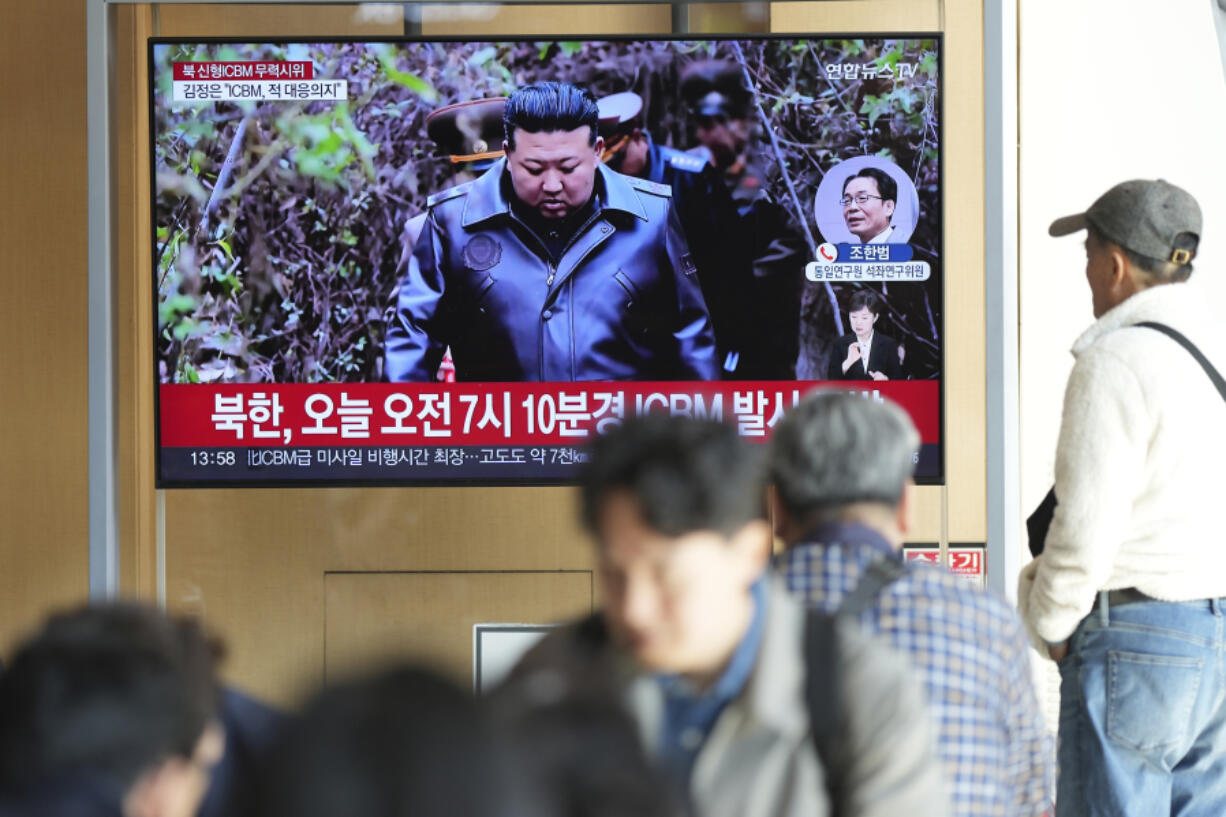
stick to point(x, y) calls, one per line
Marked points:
point(505, 147)
point(753, 543)
point(778, 515)
point(599, 147)
point(1119, 268)
point(902, 513)
point(888, 207)
point(177, 784)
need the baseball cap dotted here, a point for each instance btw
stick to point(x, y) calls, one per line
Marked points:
point(1154, 219)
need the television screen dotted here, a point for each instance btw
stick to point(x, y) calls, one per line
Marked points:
point(452, 261)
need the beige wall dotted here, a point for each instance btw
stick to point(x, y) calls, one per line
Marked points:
point(1110, 90)
point(43, 366)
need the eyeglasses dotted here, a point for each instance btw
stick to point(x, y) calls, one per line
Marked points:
point(861, 199)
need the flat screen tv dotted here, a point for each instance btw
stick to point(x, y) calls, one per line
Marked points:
point(452, 261)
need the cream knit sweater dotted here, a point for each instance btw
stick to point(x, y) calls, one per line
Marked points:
point(1139, 466)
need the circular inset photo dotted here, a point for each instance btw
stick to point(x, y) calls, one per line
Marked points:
point(866, 200)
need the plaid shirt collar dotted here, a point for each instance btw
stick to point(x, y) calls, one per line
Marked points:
point(847, 533)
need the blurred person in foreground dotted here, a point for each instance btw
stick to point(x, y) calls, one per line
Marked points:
point(109, 711)
point(578, 744)
point(1128, 593)
point(840, 470)
point(710, 656)
point(400, 743)
point(550, 266)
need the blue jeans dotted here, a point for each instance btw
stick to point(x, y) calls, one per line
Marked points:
point(1142, 712)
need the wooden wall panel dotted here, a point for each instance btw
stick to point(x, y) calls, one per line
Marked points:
point(134, 308)
point(463, 20)
point(856, 15)
point(728, 18)
point(251, 563)
point(229, 20)
point(44, 489)
point(965, 316)
point(373, 618)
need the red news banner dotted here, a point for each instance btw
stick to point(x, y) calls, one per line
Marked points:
point(379, 414)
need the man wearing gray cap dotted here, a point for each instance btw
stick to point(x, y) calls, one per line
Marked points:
point(1128, 591)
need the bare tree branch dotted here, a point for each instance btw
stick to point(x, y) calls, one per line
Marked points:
point(787, 180)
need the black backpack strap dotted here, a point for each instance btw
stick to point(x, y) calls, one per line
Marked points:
point(823, 692)
point(1179, 338)
point(877, 577)
point(824, 696)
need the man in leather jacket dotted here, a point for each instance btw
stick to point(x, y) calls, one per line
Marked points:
point(551, 267)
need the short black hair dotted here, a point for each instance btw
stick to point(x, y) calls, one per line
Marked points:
point(1161, 272)
point(862, 298)
point(886, 186)
point(545, 107)
point(686, 475)
point(111, 690)
point(401, 743)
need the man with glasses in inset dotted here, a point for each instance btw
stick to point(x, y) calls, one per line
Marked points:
point(869, 198)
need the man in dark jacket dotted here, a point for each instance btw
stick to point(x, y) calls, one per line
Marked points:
point(721, 109)
point(709, 219)
point(551, 267)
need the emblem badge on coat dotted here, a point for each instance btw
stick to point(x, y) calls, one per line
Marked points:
point(481, 252)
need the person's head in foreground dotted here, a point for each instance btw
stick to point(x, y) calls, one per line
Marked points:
point(113, 706)
point(402, 743)
point(578, 744)
point(1139, 234)
point(677, 511)
point(552, 147)
point(841, 458)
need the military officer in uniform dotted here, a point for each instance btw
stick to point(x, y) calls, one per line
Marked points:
point(708, 216)
point(720, 109)
point(552, 267)
point(469, 135)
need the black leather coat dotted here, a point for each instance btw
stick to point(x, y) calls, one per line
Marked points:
point(622, 303)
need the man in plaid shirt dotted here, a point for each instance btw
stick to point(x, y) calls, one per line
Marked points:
point(840, 468)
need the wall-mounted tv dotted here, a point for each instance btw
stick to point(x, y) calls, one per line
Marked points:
point(452, 261)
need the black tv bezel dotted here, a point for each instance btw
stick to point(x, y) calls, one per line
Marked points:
point(162, 483)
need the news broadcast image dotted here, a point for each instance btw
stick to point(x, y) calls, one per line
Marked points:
point(360, 277)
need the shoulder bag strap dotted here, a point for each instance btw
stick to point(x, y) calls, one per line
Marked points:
point(824, 697)
point(822, 688)
point(1179, 338)
point(877, 577)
